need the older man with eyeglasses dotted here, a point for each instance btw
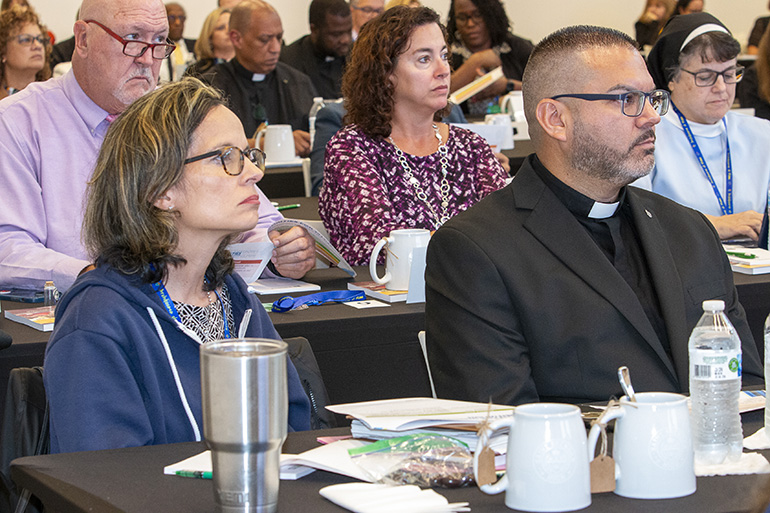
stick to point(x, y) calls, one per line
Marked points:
point(51, 134)
point(543, 289)
point(363, 11)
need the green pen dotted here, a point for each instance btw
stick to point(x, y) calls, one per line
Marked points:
point(741, 255)
point(287, 207)
point(197, 474)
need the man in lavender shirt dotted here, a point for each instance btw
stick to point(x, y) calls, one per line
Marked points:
point(50, 135)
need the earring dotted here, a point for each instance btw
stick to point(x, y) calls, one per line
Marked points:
point(170, 208)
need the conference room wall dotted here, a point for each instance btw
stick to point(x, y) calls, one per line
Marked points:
point(532, 19)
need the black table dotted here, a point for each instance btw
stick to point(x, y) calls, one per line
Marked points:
point(363, 354)
point(132, 480)
point(283, 182)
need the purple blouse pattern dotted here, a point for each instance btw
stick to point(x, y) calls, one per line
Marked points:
point(365, 194)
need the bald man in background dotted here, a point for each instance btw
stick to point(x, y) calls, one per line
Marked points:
point(51, 134)
point(258, 87)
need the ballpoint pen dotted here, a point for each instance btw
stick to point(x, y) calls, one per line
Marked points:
point(287, 207)
point(197, 474)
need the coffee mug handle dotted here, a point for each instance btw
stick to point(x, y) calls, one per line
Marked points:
point(373, 261)
point(502, 483)
point(593, 435)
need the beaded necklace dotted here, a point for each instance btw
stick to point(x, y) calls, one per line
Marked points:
point(412, 181)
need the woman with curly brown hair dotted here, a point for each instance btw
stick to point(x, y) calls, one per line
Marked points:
point(24, 49)
point(396, 166)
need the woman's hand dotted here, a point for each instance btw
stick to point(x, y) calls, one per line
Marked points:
point(742, 224)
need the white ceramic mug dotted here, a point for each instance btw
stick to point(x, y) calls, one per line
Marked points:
point(547, 462)
point(513, 105)
point(279, 143)
point(652, 446)
point(398, 262)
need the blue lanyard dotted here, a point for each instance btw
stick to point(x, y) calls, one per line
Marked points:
point(287, 303)
point(162, 293)
point(726, 209)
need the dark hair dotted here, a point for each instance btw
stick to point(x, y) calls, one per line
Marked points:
point(366, 84)
point(13, 19)
point(550, 66)
point(682, 5)
point(319, 9)
point(141, 158)
point(494, 16)
point(712, 45)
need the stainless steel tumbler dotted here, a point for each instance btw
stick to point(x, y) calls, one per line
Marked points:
point(245, 410)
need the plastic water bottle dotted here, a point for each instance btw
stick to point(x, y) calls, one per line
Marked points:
point(318, 104)
point(50, 294)
point(715, 385)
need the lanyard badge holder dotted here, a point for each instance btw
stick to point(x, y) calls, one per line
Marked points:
point(288, 303)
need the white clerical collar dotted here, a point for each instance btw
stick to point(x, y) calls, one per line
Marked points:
point(258, 77)
point(603, 210)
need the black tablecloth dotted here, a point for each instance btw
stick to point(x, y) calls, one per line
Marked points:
point(132, 480)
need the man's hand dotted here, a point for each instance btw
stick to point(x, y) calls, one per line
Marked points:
point(302, 143)
point(742, 224)
point(294, 252)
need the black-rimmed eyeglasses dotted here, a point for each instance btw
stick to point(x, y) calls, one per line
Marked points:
point(232, 158)
point(631, 103)
point(159, 51)
point(368, 10)
point(27, 39)
point(708, 77)
point(463, 19)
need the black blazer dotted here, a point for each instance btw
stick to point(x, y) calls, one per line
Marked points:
point(523, 306)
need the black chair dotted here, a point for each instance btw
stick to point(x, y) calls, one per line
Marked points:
point(24, 433)
point(301, 354)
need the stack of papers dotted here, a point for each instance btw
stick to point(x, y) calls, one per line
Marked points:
point(748, 260)
point(390, 418)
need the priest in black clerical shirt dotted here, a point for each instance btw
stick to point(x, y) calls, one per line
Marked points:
point(258, 87)
point(322, 54)
point(541, 290)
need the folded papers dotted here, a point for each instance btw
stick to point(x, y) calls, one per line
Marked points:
point(380, 498)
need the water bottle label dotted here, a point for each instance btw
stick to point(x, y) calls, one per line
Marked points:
point(714, 366)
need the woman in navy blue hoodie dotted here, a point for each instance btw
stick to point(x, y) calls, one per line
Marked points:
point(174, 182)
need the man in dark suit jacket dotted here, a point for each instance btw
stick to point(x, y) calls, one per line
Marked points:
point(544, 288)
point(323, 53)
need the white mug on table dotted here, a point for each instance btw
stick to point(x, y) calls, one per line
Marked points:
point(547, 461)
point(652, 446)
point(398, 263)
point(279, 143)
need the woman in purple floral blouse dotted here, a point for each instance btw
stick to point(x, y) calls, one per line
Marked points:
point(395, 166)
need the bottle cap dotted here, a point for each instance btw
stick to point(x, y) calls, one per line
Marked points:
point(713, 305)
point(49, 284)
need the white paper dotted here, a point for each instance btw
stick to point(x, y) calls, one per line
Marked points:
point(749, 463)
point(324, 248)
point(251, 258)
point(332, 457)
point(281, 286)
point(369, 303)
point(380, 498)
point(420, 412)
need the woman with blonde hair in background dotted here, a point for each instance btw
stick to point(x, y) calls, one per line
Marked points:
point(408, 3)
point(25, 50)
point(655, 15)
point(213, 45)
